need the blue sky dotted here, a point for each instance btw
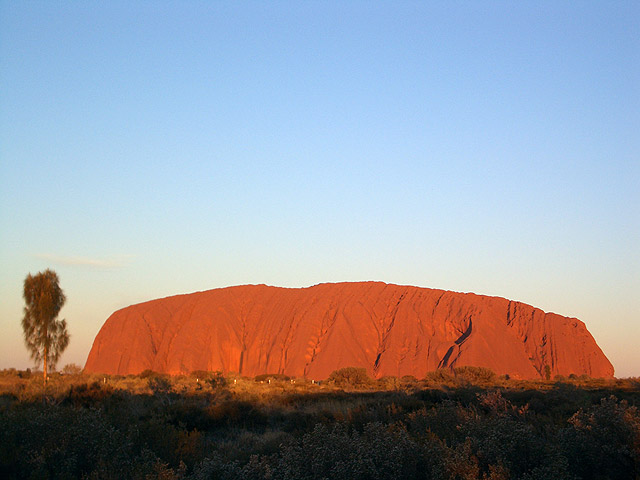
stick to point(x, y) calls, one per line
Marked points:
point(155, 148)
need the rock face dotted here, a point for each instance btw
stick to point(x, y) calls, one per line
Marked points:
point(388, 329)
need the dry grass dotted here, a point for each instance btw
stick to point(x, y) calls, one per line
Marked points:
point(27, 386)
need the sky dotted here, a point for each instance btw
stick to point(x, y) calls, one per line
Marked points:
point(154, 148)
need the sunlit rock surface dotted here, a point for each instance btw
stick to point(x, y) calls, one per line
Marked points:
point(388, 329)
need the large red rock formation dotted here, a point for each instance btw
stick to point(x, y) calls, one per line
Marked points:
point(388, 329)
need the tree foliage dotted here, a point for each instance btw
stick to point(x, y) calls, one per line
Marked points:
point(45, 336)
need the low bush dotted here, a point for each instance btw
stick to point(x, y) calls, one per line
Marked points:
point(474, 375)
point(159, 385)
point(72, 369)
point(216, 380)
point(440, 377)
point(603, 441)
point(350, 377)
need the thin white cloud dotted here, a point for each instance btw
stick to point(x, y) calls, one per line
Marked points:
point(115, 261)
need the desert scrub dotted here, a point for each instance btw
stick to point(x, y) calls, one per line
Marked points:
point(474, 375)
point(61, 442)
point(97, 426)
point(350, 377)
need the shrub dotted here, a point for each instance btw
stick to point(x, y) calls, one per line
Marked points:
point(88, 394)
point(604, 441)
point(409, 379)
point(350, 377)
point(440, 376)
point(506, 441)
point(72, 369)
point(216, 380)
point(475, 375)
point(378, 452)
point(239, 413)
point(159, 385)
point(494, 402)
point(387, 383)
point(63, 442)
point(147, 373)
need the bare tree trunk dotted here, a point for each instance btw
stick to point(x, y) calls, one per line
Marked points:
point(45, 366)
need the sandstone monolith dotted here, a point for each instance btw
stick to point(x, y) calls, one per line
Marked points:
point(310, 332)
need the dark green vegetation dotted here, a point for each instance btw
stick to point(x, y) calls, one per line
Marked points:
point(469, 424)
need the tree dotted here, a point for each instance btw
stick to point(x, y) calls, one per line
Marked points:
point(45, 336)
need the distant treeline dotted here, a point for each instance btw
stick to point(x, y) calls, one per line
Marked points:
point(462, 424)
